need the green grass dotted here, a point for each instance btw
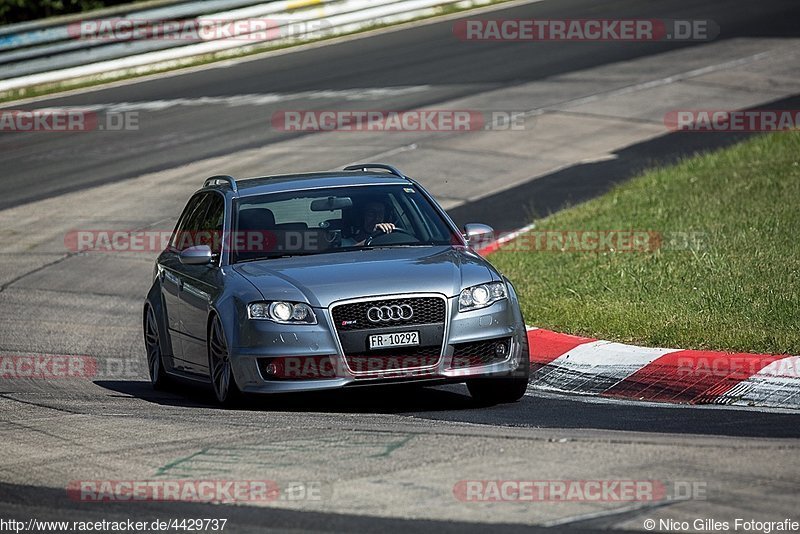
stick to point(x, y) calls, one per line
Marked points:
point(739, 291)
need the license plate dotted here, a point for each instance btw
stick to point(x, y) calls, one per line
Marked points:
point(396, 339)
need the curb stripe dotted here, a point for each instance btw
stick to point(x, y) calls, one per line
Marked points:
point(595, 367)
point(696, 377)
point(550, 345)
point(777, 385)
point(574, 364)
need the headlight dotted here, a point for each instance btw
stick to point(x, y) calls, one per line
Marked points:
point(282, 312)
point(477, 297)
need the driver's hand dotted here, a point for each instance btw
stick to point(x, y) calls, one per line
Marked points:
point(386, 228)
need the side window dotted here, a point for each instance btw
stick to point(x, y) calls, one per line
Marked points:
point(191, 221)
point(210, 231)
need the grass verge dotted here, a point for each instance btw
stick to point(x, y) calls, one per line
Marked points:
point(735, 288)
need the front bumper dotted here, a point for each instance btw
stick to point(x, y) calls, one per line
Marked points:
point(302, 343)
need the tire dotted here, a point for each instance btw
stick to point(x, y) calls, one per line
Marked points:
point(152, 343)
point(491, 391)
point(223, 382)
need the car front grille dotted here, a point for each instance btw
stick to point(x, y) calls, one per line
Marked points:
point(353, 316)
point(479, 353)
point(353, 328)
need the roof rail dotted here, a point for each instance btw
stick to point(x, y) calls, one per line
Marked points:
point(366, 166)
point(215, 180)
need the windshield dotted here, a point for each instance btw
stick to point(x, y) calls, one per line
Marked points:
point(335, 219)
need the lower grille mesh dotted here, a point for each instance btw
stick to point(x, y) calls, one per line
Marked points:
point(391, 361)
point(480, 353)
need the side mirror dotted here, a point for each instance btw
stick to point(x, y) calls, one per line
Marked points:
point(196, 255)
point(478, 234)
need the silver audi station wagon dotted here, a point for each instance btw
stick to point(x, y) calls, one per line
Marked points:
point(330, 280)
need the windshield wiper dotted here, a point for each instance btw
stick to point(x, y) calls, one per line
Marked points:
point(397, 245)
point(259, 258)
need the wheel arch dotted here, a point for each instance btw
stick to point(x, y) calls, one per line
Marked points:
point(153, 300)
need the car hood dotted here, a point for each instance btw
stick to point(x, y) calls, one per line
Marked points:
point(325, 278)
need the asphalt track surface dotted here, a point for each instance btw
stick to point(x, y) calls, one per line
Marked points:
point(116, 426)
point(425, 56)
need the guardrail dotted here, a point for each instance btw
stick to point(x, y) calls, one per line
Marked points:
point(173, 33)
point(55, 42)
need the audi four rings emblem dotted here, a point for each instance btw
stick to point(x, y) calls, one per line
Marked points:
point(396, 312)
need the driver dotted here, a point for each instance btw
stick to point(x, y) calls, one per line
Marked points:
point(372, 222)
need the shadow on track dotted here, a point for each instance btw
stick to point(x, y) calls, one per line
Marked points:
point(452, 403)
point(576, 412)
point(389, 399)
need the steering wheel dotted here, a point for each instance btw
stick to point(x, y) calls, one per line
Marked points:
point(377, 234)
